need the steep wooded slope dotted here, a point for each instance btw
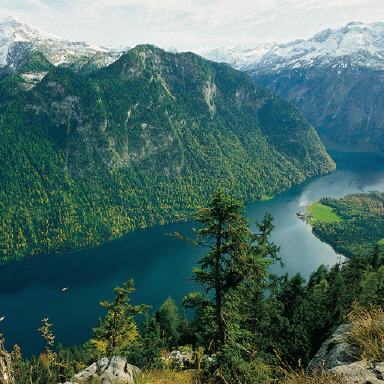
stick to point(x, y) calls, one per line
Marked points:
point(86, 158)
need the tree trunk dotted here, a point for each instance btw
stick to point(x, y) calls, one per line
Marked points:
point(218, 290)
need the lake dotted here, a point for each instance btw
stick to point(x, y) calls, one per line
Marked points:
point(160, 264)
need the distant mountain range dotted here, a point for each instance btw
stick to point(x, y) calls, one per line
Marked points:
point(335, 78)
point(356, 44)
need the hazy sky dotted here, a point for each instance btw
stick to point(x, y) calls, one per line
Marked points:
point(188, 24)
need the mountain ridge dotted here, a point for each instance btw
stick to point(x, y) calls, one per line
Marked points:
point(356, 44)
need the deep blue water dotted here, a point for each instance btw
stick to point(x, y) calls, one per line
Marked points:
point(161, 265)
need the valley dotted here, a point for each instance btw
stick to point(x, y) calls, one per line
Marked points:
point(209, 216)
point(155, 259)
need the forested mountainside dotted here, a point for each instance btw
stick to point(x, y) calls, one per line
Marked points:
point(86, 158)
point(352, 224)
point(335, 79)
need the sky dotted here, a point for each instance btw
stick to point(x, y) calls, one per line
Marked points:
point(189, 24)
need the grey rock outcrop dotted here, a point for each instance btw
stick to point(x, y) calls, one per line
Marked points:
point(334, 352)
point(360, 372)
point(107, 371)
point(337, 357)
point(6, 374)
point(179, 359)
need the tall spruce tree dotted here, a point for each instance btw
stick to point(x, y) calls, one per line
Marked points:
point(233, 275)
point(224, 231)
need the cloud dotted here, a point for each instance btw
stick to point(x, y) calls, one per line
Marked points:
point(190, 23)
point(19, 5)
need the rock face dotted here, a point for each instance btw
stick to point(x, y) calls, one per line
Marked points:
point(6, 375)
point(107, 371)
point(343, 104)
point(338, 357)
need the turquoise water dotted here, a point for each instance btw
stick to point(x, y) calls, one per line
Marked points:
point(160, 264)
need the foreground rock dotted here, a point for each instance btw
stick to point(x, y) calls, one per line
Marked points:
point(334, 352)
point(180, 359)
point(6, 375)
point(107, 371)
point(336, 356)
point(360, 372)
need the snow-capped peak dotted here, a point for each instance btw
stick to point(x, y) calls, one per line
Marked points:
point(356, 44)
point(238, 56)
point(17, 37)
point(12, 25)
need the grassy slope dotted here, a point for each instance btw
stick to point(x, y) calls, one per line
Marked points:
point(166, 377)
point(319, 212)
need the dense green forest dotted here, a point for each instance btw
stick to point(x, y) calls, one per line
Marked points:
point(241, 334)
point(87, 157)
point(352, 224)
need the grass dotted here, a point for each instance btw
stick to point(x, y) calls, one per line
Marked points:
point(317, 377)
point(166, 377)
point(367, 332)
point(320, 212)
point(381, 242)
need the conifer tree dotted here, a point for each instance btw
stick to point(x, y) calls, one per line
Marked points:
point(233, 274)
point(168, 318)
point(147, 354)
point(224, 230)
point(185, 331)
point(118, 329)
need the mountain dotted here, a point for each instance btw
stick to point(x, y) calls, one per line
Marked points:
point(88, 157)
point(18, 40)
point(355, 45)
point(239, 57)
point(335, 79)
